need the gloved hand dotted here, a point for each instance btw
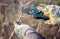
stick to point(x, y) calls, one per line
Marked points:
point(36, 14)
point(26, 10)
point(40, 15)
point(30, 11)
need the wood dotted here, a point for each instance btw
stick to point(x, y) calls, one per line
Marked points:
point(3, 4)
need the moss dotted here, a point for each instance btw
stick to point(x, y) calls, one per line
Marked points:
point(11, 18)
point(1, 17)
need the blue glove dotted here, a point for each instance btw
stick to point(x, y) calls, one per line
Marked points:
point(40, 16)
point(26, 10)
point(34, 10)
point(30, 11)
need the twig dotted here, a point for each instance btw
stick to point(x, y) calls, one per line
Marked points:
point(3, 4)
point(11, 34)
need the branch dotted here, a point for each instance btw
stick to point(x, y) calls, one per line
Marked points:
point(3, 4)
point(28, 3)
point(11, 34)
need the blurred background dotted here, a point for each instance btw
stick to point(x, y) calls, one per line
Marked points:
point(11, 10)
